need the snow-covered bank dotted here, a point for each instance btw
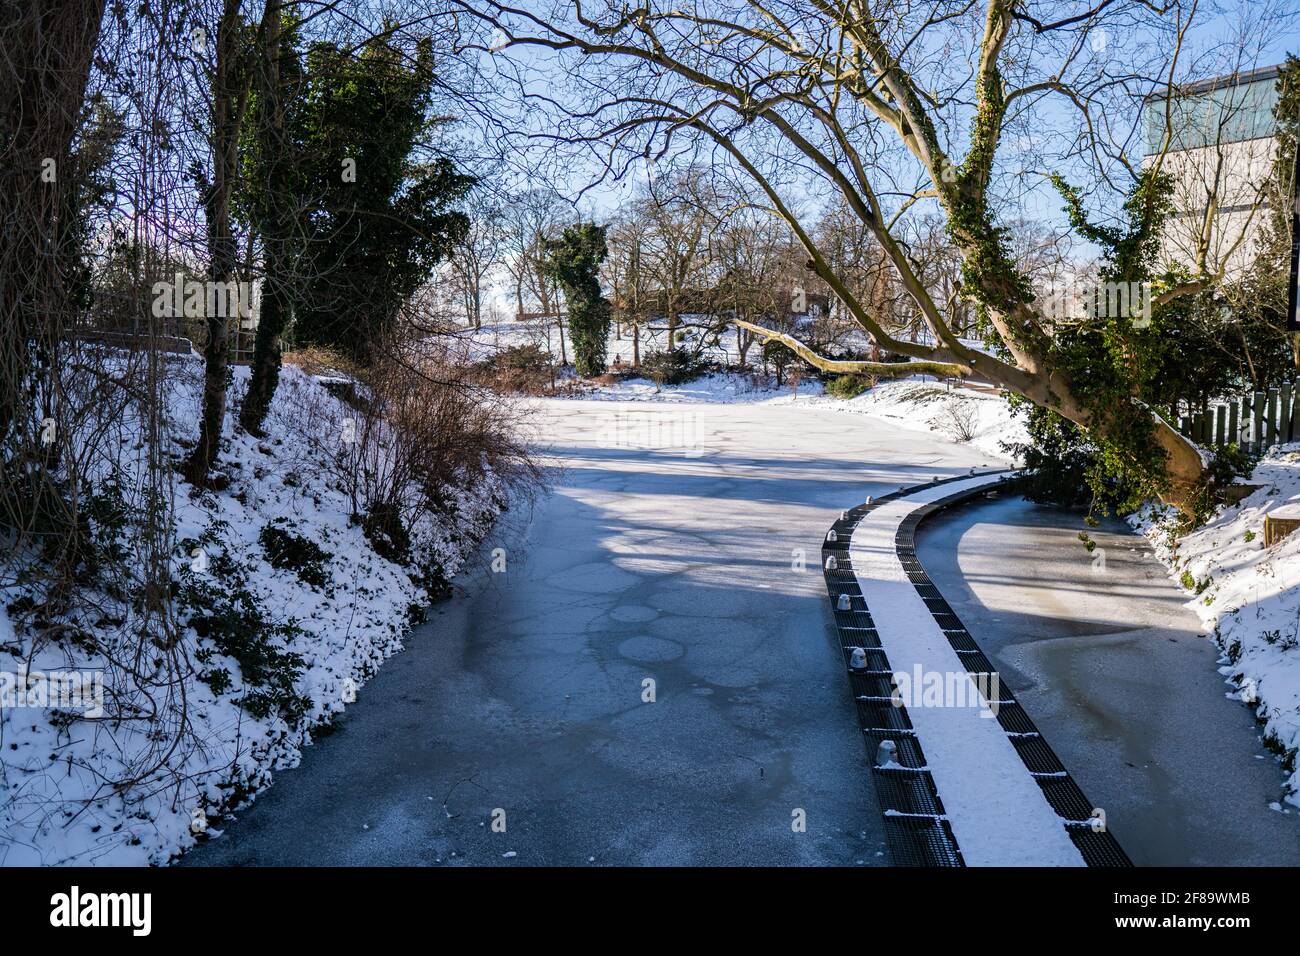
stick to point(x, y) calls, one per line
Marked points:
point(283, 609)
point(717, 387)
point(1248, 598)
point(979, 416)
point(982, 419)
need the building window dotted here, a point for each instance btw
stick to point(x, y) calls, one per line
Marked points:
point(1223, 112)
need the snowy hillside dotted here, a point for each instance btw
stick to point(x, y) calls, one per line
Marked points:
point(284, 610)
point(982, 419)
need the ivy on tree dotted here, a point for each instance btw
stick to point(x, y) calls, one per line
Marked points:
point(574, 261)
point(1123, 370)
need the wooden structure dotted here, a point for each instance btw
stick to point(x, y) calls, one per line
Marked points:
point(1280, 522)
point(1252, 422)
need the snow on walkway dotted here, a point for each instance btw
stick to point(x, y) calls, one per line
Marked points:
point(997, 811)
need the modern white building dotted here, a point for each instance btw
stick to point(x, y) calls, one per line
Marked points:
point(1217, 138)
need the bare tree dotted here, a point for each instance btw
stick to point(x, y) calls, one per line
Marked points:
point(48, 47)
point(481, 254)
point(277, 229)
point(532, 218)
point(627, 277)
point(231, 86)
point(890, 106)
point(681, 210)
point(759, 267)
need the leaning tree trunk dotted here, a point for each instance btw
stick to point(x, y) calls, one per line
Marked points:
point(228, 99)
point(1184, 467)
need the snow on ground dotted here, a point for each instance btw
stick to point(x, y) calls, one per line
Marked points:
point(1248, 597)
point(59, 799)
point(722, 348)
point(718, 387)
point(492, 337)
point(982, 419)
point(978, 416)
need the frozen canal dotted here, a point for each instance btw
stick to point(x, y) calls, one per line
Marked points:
point(666, 553)
point(1117, 675)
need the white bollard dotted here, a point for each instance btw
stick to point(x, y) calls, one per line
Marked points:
point(845, 603)
point(857, 659)
point(887, 754)
point(831, 563)
point(832, 536)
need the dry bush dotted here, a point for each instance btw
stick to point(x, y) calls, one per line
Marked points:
point(315, 360)
point(517, 370)
point(423, 429)
point(960, 419)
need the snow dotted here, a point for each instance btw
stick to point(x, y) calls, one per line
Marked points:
point(715, 388)
point(978, 415)
point(721, 347)
point(1249, 597)
point(58, 802)
point(492, 337)
point(982, 419)
point(997, 812)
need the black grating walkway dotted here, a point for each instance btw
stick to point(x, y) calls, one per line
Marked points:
point(916, 826)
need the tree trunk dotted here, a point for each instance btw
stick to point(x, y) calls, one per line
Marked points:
point(48, 48)
point(267, 351)
point(227, 108)
point(1184, 468)
point(277, 231)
